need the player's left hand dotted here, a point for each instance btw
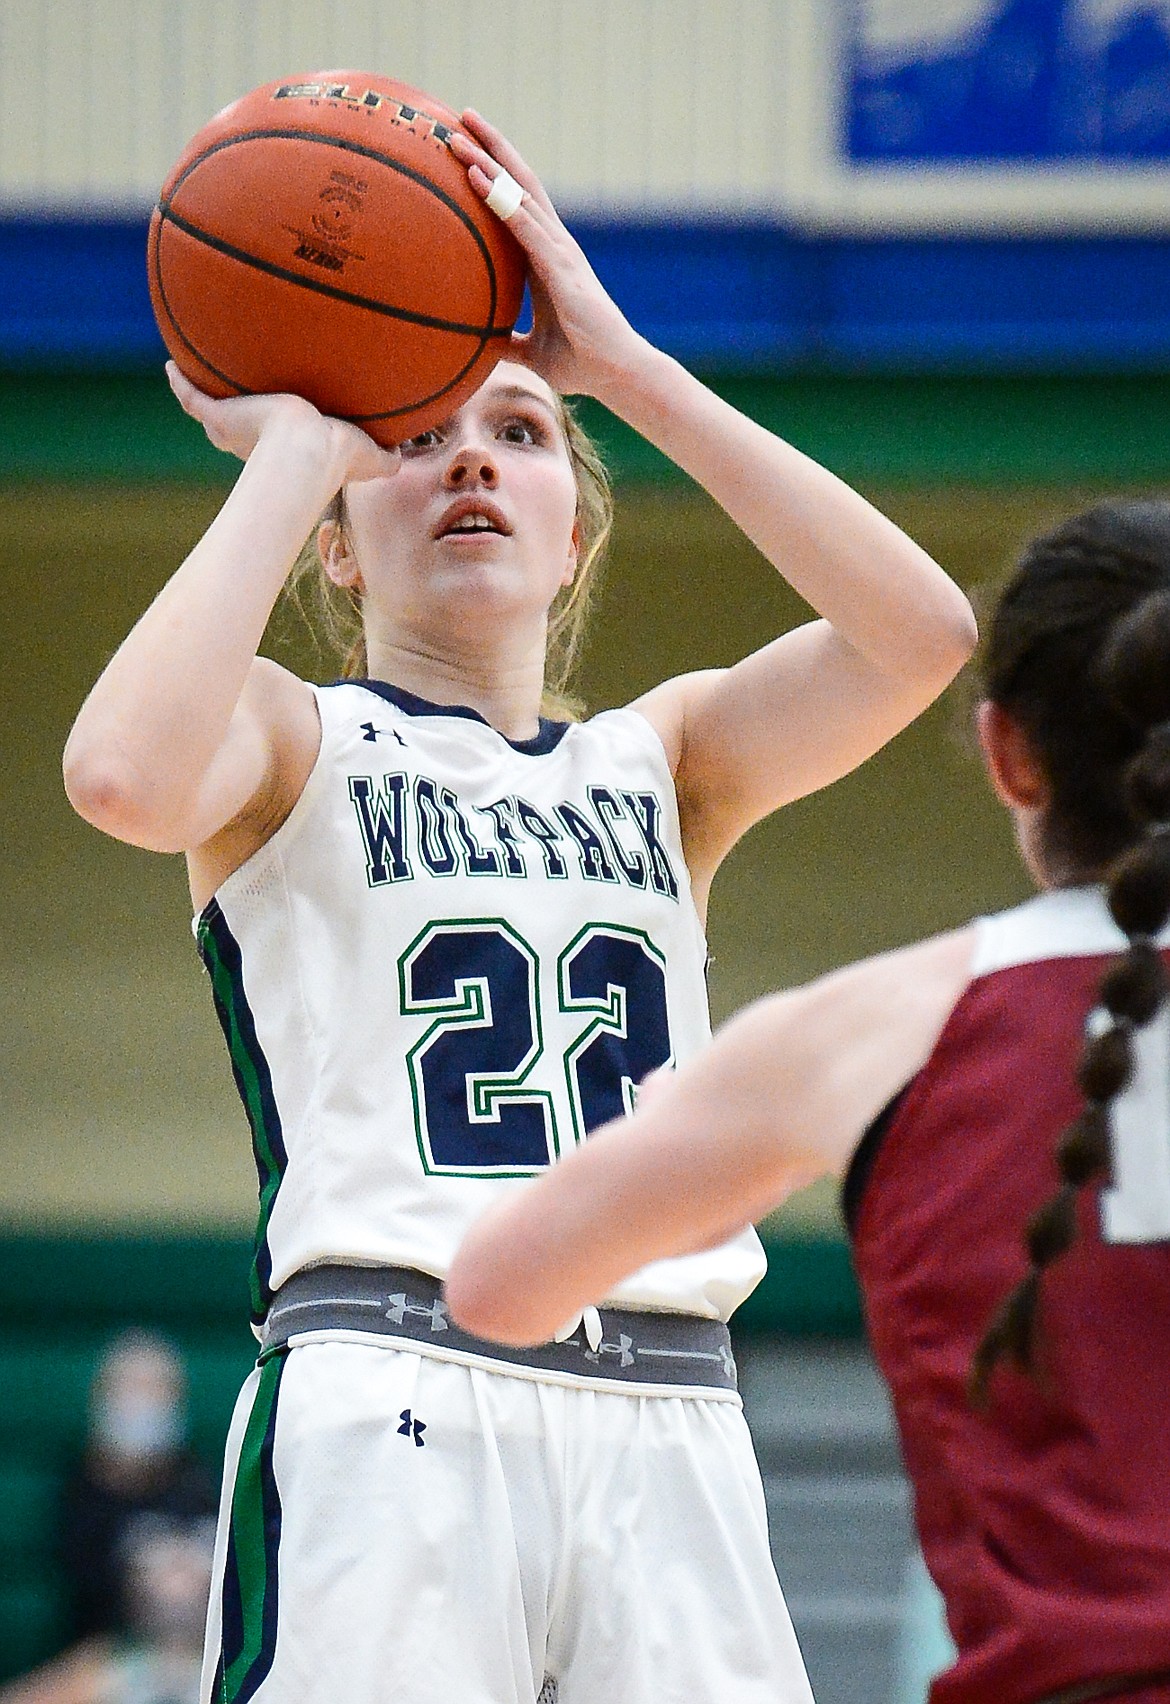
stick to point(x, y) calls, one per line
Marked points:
point(580, 340)
point(236, 424)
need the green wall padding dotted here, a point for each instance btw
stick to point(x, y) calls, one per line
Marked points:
point(983, 428)
point(809, 1290)
point(92, 1282)
point(82, 1287)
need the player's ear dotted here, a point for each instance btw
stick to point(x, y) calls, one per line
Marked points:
point(572, 555)
point(1012, 765)
point(337, 558)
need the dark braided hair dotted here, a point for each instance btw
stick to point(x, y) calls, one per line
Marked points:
point(1079, 656)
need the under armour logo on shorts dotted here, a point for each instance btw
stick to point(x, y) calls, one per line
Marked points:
point(410, 1428)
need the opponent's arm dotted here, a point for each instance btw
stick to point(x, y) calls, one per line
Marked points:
point(814, 703)
point(186, 728)
point(783, 1093)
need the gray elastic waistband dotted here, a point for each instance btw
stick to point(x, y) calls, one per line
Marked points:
point(635, 1348)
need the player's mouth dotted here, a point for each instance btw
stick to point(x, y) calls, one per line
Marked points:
point(473, 517)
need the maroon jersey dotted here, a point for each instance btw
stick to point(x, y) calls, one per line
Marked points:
point(1045, 1521)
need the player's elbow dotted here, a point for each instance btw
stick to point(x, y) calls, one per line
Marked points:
point(96, 786)
point(961, 634)
point(935, 639)
point(953, 638)
point(108, 794)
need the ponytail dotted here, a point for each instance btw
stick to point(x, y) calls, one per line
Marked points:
point(1134, 671)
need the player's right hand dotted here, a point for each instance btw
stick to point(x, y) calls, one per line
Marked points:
point(236, 424)
point(580, 340)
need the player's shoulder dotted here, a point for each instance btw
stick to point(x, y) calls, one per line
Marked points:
point(929, 975)
point(629, 733)
point(273, 691)
point(1059, 923)
point(283, 709)
point(666, 706)
point(320, 712)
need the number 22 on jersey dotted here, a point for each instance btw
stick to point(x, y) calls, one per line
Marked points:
point(479, 1073)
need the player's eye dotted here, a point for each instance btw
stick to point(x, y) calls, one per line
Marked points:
point(519, 430)
point(428, 440)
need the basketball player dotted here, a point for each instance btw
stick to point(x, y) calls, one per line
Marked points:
point(446, 937)
point(956, 1088)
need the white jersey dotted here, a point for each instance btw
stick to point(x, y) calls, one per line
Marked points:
point(456, 957)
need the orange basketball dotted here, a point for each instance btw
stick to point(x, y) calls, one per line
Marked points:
point(319, 236)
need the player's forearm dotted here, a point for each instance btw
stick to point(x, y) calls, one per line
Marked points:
point(710, 1153)
point(880, 590)
point(533, 1262)
point(158, 714)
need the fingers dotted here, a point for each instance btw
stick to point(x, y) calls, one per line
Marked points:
point(371, 461)
point(505, 197)
point(187, 395)
point(500, 152)
point(654, 1085)
point(485, 174)
point(202, 409)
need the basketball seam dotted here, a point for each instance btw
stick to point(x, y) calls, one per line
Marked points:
point(245, 390)
point(154, 261)
point(319, 286)
point(168, 194)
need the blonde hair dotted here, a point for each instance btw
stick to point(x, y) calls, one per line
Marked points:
point(338, 609)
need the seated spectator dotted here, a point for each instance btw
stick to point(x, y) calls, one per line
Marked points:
point(166, 1580)
point(137, 1468)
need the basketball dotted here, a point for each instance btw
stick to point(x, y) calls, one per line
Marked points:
point(318, 236)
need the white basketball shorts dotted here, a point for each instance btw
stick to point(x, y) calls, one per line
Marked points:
point(401, 1529)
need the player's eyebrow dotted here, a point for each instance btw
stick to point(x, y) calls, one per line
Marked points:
point(523, 393)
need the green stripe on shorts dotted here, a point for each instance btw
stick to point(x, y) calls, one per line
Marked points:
point(250, 1574)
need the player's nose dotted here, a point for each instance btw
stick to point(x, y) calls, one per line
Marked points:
point(471, 464)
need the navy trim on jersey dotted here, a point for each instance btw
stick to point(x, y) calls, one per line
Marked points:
point(221, 954)
point(550, 736)
point(866, 1152)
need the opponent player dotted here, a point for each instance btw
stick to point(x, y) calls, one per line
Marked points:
point(987, 1107)
point(446, 938)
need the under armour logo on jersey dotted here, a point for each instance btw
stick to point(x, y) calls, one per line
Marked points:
point(401, 1305)
point(412, 1428)
point(369, 732)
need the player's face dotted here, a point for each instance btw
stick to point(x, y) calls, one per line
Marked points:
point(479, 524)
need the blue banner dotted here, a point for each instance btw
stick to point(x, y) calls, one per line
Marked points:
point(1031, 82)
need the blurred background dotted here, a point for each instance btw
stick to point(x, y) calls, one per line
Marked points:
point(926, 240)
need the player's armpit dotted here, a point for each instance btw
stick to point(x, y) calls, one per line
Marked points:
point(666, 707)
point(260, 770)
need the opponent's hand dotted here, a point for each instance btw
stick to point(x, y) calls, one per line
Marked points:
point(653, 1085)
point(580, 340)
point(237, 423)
